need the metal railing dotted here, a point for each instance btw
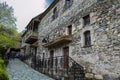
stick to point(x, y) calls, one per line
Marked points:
point(62, 64)
point(57, 65)
point(25, 57)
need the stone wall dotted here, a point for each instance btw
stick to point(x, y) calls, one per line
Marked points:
point(25, 48)
point(102, 58)
point(65, 18)
point(63, 15)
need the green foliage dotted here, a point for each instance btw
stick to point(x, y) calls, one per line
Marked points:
point(3, 74)
point(1, 64)
point(8, 31)
point(1, 61)
point(8, 34)
point(6, 15)
point(7, 41)
point(0, 56)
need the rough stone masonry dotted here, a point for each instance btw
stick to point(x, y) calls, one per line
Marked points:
point(101, 59)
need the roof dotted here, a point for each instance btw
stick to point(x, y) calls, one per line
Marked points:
point(23, 33)
point(49, 8)
point(41, 16)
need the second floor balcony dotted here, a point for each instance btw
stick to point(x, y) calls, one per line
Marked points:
point(58, 36)
point(31, 37)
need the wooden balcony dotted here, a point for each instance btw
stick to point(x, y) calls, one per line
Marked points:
point(58, 41)
point(35, 44)
point(31, 37)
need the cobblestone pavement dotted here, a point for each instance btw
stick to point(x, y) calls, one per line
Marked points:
point(17, 70)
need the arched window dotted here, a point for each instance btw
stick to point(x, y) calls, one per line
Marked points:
point(55, 13)
point(55, 9)
point(87, 38)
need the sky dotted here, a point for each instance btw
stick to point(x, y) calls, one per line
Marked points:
point(25, 10)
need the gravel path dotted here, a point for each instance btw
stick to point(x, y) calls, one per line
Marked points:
point(17, 70)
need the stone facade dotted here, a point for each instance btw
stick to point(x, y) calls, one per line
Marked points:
point(102, 58)
point(29, 42)
point(25, 49)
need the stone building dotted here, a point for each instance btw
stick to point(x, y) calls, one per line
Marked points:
point(29, 42)
point(80, 39)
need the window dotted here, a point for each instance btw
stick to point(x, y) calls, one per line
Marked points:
point(35, 27)
point(55, 13)
point(70, 30)
point(86, 20)
point(87, 38)
point(44, 40)
point(68, 3)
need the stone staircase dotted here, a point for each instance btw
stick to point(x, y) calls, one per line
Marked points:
point(75, 70)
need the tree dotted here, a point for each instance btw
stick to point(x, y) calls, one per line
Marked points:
point(8, 30)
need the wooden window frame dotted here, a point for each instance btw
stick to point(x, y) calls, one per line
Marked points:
point(86, 20)
point(69, 30)
point(55, 13)
point(87, 39)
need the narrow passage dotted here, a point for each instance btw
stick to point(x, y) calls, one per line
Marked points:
point(17, 70)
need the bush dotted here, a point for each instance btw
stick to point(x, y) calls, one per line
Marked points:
point(1, 61)
point(3, 75)
point(1, 64)
point(0, 56)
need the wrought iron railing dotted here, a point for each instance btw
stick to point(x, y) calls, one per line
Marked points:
point(59, 64)
point(25, 57)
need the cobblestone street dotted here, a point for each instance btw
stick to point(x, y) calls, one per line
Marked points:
point(18, 70)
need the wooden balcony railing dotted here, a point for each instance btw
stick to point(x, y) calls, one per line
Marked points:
point(31, 37)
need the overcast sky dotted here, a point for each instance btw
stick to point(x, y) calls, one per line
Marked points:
point(25, 10)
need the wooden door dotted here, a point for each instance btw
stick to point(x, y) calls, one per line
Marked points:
point(65, 55)
point(35, 55)
point(51, 58)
